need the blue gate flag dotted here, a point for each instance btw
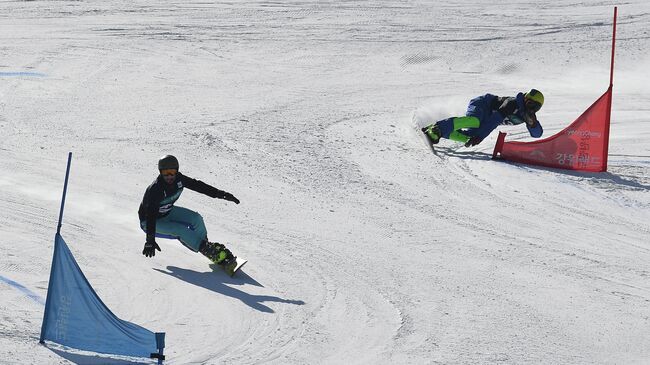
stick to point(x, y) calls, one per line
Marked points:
point(77, 318)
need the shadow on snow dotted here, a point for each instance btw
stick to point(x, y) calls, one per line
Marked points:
point(596, 177)
point(217, 283)
point(83, 359)
point(461, 152)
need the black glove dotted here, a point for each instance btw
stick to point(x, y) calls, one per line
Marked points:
point(231, 198)
point(150, 249)
point(473, 141)
point(530, 119)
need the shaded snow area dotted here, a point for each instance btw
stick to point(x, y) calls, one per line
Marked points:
point(363, 246)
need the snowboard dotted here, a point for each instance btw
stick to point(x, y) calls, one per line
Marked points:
point(232, 269)
point(426, 139)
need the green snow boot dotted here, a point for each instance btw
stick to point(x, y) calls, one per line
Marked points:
point(433, 133)
point(217, 253)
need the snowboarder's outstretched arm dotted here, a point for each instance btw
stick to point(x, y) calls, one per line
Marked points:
point(203, 188)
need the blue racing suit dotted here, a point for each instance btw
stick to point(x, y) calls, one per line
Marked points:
point(490, 111)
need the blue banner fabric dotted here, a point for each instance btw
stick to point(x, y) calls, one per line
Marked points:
point(77, 318)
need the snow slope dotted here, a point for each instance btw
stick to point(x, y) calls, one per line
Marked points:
point(364, 247)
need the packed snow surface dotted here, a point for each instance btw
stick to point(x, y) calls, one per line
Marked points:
point(363, 246)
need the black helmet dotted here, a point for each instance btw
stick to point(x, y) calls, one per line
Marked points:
point(168, 162)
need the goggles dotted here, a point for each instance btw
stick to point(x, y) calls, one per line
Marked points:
point(533, 106)
point(168, 172)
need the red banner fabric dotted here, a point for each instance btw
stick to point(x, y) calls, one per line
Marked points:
point(581, 146)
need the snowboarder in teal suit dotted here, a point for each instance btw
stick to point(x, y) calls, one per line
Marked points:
point(160, 218)
point(485, 113)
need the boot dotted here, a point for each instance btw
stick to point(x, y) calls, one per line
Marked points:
point(217, 253)
point(433, 133)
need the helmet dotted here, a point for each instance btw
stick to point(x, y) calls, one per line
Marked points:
point(534, 100)
point(168, 162)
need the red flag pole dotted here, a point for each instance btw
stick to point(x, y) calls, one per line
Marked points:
point(609, 101)
point(499, 146)
point(611, 70)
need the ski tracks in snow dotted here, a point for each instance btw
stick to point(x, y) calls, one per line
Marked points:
point(364, 246)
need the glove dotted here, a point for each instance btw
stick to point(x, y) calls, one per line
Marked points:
point(231, 198)
point(473, 141)
point(530, 119)
point(150, 249)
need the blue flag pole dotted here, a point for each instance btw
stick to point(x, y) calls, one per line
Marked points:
point(65, 189)
point(56, 248)
point(76, 317)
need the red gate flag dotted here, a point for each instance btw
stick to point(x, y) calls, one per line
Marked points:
point(583, 145)
point(580, 146)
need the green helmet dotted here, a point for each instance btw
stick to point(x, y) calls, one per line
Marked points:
point(168, 162)
point(534, 100)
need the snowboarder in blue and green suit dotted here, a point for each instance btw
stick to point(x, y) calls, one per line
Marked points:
point(485, 113)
